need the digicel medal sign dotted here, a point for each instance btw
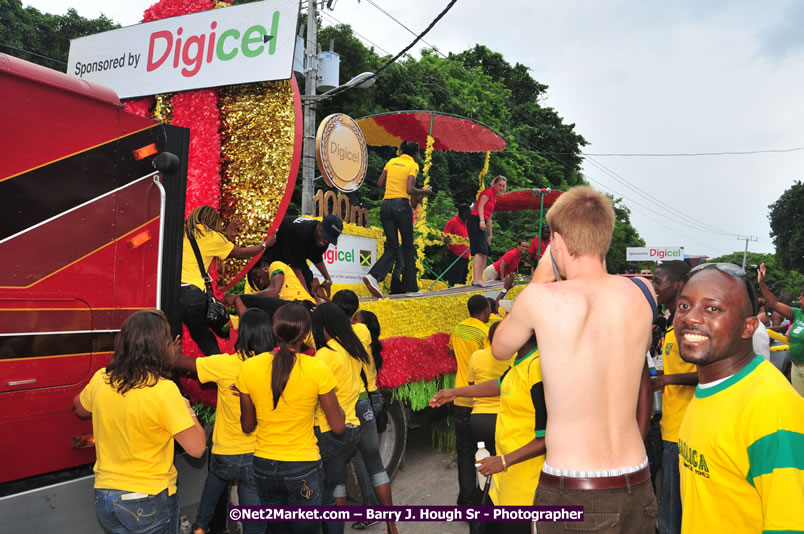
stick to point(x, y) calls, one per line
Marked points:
point(233, 45)
point(340, 150)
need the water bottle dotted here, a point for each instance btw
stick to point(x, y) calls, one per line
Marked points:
point(185, 527)
point(657, 395)
point(482, 452)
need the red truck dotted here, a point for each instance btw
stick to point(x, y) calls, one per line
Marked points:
point(92, 204)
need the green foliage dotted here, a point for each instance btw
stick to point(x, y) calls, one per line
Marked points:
point(624, 236)
point(45, 34)
point(779, 278)
point(787, 227)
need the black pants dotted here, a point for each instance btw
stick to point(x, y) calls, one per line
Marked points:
point(482, 425)
point(466, 447)
point(193, 311)
point(397, 219)
point(458, 272)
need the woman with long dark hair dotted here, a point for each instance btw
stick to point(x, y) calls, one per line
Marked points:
point(205, 226)
point(479, 228)
point(399, 180)
point(279, 394)
point(137, 411)
point(341, 350)
point(232, 450)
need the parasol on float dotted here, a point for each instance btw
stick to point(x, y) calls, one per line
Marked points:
point(450, 132)
point(528, 199)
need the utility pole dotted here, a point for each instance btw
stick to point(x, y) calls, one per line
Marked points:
point(747, 239)
point(310, 82)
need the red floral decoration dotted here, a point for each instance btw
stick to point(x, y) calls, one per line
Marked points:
point(410, 359)
point(140, 106)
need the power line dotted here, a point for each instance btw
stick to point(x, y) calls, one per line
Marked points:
point(366, 39)
point(686, 154)
point(701, 226)
point(371, 2)
point(32, 53)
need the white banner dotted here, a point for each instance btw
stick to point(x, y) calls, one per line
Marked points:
point(654, 253)
point(232, 45)
point(349, 262)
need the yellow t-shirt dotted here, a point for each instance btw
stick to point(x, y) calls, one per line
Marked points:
point(286, 432)
point(482, 368)
point(134, 434)
point(741, 455)
point(396, 177)
point(363, 334)
point(228, 436)
point(347, 375)
point(469, 335)
point(211, 244)
point(522, 417)
point(675, 398)
point(292, 288)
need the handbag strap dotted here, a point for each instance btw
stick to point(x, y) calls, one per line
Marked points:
point(204, 273)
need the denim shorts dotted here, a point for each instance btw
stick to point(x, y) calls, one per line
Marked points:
point(151, 514)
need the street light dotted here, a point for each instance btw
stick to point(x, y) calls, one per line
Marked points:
point(363, 81)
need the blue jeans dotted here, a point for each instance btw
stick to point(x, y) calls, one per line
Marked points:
point(225, 468)
point(153, 514)
point(336, 451)
point(367, 462)
point(289, 484)
point(670, 491)
point(396, 215)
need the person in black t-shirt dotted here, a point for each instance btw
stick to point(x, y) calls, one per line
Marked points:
point(299, 239)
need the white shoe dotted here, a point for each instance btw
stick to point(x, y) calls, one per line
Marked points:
point(373, 286)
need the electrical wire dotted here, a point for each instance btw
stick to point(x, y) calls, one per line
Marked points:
point(365, 39)
point(33, 53)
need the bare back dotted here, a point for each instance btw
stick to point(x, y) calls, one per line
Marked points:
point(593, 333)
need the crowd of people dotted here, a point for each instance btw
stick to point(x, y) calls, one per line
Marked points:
point(732, 425)
point(572, 346)
point(471, 222)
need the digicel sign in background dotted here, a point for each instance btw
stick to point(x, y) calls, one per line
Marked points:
point(349, 262)
point(232, 45)
point(654, 253)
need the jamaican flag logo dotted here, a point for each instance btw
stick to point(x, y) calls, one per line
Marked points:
point(365, 260)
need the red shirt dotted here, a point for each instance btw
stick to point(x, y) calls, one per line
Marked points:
point(458, 227)
point(511, 259)
point(488, 209)
point(534, 244)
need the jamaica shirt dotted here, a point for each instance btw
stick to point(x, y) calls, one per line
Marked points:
point(469, 335)
point(522, 417)
point(396, 178)
point(483, 366)
point(347, 375)
point(797, 336)
point(741, 455)
point(292, 288)
point(675, 398)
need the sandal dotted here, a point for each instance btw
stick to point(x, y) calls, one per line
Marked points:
point(363, 525)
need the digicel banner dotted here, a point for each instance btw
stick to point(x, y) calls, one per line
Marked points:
point(654, 253)
point(233, 45)
point(349, 262)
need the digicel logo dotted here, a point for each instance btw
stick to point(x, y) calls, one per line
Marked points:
point(663, 253)
point(195, 50)
point(333, 253)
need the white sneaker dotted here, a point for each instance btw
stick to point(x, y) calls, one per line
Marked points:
point(373, 286)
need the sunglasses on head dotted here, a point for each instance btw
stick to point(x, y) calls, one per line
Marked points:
point(733, 271)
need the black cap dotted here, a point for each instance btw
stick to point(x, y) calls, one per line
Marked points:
point(331, 228)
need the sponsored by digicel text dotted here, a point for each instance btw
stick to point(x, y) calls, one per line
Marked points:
point(167, 50)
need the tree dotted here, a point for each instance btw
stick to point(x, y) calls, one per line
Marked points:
point(625, 235)
point(44, 38)
point(787, 227)
point(779, 279)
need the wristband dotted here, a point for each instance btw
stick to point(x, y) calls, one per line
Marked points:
point(503, 291)
point(193, 414)
point(264, 246)
point(502, 459)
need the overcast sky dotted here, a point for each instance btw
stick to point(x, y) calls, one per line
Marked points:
point(634, 77)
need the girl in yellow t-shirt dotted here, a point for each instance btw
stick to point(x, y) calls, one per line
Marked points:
point(396, 214)
point(206, 227)
point(232, 450)
point(136, 413)
point(279, 392)
point(339, 347)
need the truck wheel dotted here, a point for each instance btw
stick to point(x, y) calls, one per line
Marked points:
point(394, 439)
point(392, 444)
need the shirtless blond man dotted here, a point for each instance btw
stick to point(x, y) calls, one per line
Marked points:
point(593, 330)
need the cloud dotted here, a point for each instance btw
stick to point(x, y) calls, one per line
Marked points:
point(784, 37)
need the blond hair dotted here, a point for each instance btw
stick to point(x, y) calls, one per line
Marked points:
point(203, 216)
point(585, 219)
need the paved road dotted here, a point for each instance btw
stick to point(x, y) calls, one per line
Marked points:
point(426, 477)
